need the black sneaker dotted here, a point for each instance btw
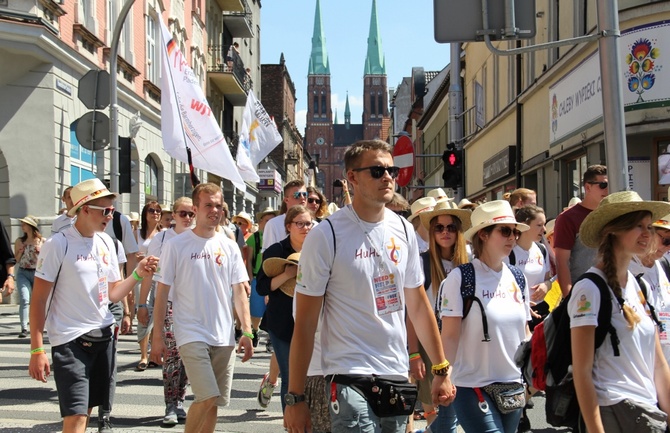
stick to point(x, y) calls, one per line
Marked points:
point(105, 426)
point(255, 339)
point(268, 346)
point(524, 423)
point(23, 333)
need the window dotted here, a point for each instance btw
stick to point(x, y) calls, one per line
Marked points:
point(153, 55)
point(324, 110)
point(151, 179)
point(373, 110)
point(82, 160)
point(380, 104)
point(316, 106)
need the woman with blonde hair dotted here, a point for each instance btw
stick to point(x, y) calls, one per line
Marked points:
point(487, 298)
point(26, 251)
point(618, 394)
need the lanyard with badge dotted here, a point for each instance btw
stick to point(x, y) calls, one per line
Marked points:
point(384, 282)
point(103, 288)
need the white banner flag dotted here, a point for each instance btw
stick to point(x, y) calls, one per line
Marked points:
point(258, 133)
point(187, 120)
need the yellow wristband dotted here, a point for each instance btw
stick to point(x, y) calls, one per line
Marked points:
point(441, 369)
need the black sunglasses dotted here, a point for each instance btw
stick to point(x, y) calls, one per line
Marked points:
point(451, 228)
point(665, 241)
point(314, 200)
point(185, 213)
point(153, 210)
point(377, 171)
point(507, 232)
point(602, 185)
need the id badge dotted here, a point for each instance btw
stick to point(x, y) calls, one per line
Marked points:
point(664, 318)
point(387, 295)
point(103, 291)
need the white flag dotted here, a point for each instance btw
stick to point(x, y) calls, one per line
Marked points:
point(244, 164)
point(258, 130)
point(187, 120)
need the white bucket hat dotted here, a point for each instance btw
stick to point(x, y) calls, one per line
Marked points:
point(85, 191)
point(420, 205)
point(492, 213)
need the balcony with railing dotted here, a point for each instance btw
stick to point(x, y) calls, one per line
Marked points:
point(238, 22)
point(228, 74)
point(231, 5)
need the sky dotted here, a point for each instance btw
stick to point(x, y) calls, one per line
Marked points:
point(407, 41)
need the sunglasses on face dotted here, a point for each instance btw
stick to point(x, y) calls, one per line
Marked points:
point(451, 228)
point(602, 185)
point(377, 171)
point(185, 214)
point(314, 200)
point(240, 223)
point(665, 241)
point(300, 194)
point(302, 224)
point(106, 211)
point(507, 232)
point(153, 210)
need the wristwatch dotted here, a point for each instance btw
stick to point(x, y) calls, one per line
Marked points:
point(292, 399)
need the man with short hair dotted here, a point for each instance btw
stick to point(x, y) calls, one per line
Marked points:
point(76, 278)
point(198, 268)
point(295, 193)
point(573, 258)
point(370, 267)
point(521, 197)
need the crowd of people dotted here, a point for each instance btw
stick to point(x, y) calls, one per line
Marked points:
point(378, 313)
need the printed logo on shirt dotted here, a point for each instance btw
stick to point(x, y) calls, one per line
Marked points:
point(394, 251)
point(583, 305)
point(445, 304)
point(201, 255)
point(532, 260)
point(516, 293)
point(364, 253)
point(104, 255)
point(40, 263)
point(219, 257)
point(85, 257)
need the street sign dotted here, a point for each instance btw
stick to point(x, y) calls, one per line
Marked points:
point(93, 130)
point(94, 89)
point(460, 21)
point(403, 157)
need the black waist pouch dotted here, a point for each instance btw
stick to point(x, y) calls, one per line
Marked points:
point(387, 395)
point(101, 335)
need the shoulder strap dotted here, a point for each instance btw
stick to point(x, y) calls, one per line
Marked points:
point(332, 230)
point(604, 314)
point(645, 293)
point(543, 249)
point(512, 257)
point(116, 224)
point(404, 227)
point(520, 280)
point(468, 295)
point(425, 258)
point(666, 266)
point(257, 249)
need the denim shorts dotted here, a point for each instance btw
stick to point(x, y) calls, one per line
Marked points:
point(355, 415)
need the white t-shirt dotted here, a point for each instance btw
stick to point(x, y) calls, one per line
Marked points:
point(128, 241)
point(423, 245)
point(62, 222)
point(142, 244)
point(156, 248)
point(200, 273)
point(636, 346)
point(76, 305)
point(481, 363)
point(363, 329)
point(275, 231)
point(532, 263)
point(431, 291)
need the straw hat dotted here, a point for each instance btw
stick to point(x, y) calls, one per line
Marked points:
point(466, 204)
point(614, 206)
point(420, 205)
point(444, 207)
point(663, 223)
point(86, 191)
point(275, 266)
point(243, 216)
point(437, 193)
point(31, 221)
point(549, 227)
point(267, 211)
point(133, 216)
point(492, 213)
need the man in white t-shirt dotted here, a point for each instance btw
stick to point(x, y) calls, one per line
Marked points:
point(369, 265)
point(295, 193)
point(76, 278)
point(64, 220)
point(198, 268)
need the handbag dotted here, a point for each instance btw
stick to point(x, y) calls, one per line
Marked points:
point(507, 396)
point(387, 396)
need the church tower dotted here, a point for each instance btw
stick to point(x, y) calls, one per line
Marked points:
point(375, 93)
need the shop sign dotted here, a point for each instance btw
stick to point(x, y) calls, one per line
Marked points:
point(501, 165)
point(270, 180)
point(639, 177)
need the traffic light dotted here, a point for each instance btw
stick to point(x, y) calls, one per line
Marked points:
point(453, 168)
point(126, 164)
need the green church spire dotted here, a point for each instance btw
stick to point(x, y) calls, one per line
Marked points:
point(318, 60)
point(375, 63)
point(347, 113)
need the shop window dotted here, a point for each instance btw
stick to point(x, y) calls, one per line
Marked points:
point(82, 160)
point(151, 179)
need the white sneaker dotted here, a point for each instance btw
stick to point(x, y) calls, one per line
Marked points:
point(170, 417)
point(265, 391)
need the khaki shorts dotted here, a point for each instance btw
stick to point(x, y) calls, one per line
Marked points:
point(210, 370)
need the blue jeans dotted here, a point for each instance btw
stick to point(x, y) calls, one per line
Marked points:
point(282, 349)
point(356, 416)
point(24, 284)
point(473, 420)
point(446, 421)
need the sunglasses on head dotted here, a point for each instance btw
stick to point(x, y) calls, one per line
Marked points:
point(185, 213)
point(665, 241)
point(153, 210)
point(602, 185)
point(377, 171)
point(507, 232)
point(451, 228)
point(314, 200)
point(300, 194)
point(302, 224)
point(106, 211)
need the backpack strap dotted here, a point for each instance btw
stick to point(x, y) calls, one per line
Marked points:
point(57, 275)
point(257, 249)
point(520, 280)
point(512, 257)
point(116, 225)
point(332, 230)
point(543, 250)
point(604, 314)
point(425, 258)
point(468, 295)
point(666, 266)
point(645, 293)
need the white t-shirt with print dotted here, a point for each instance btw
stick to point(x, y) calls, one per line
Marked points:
point(76, 305)
point(636, 346)
point(434, 288)
point(532, 263)
point(363, 330)
point(128, 241)
point(481, 363)
point(200, 273)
